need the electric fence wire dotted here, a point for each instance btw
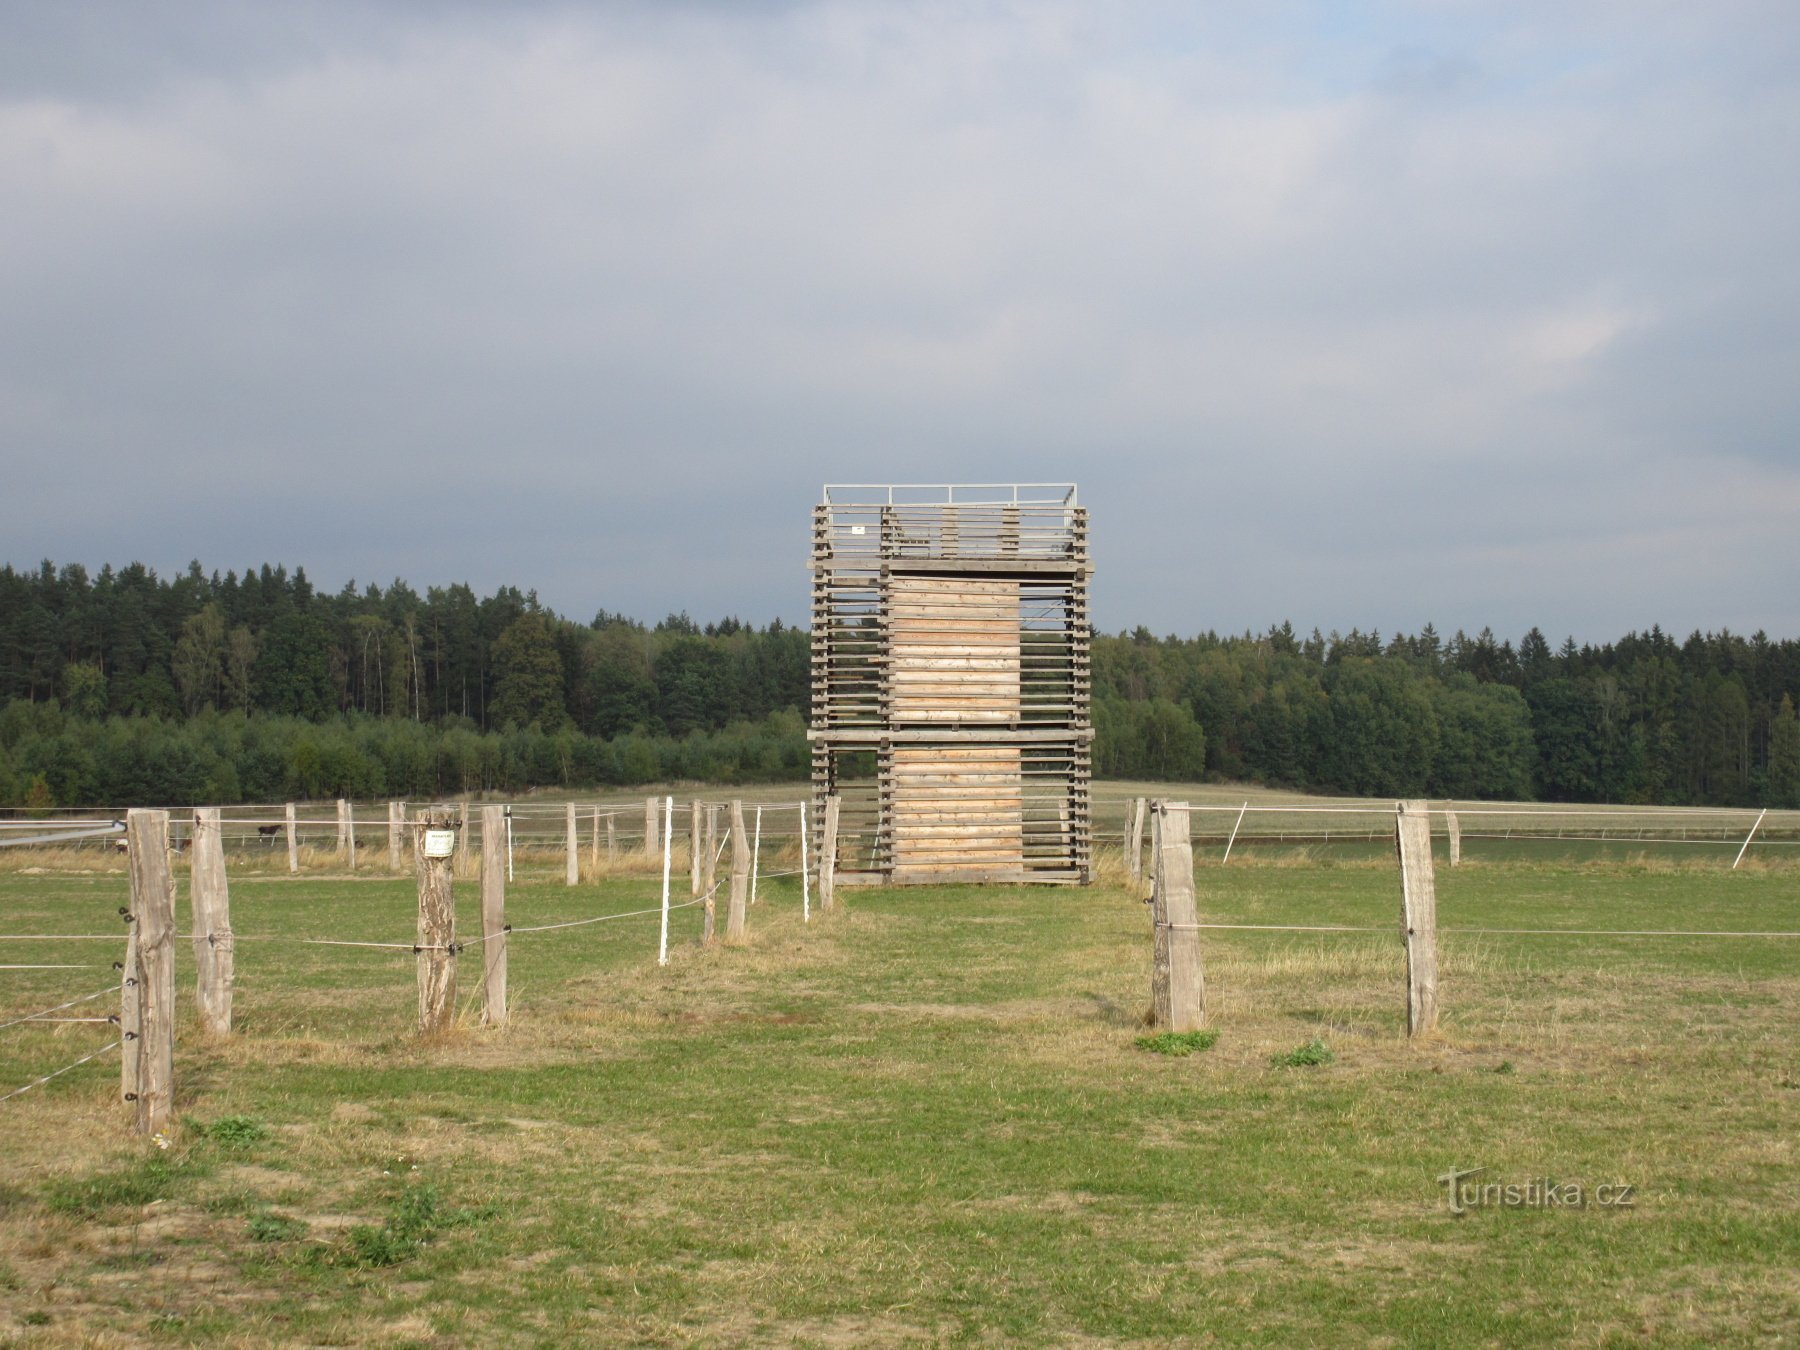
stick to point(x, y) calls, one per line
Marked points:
point(85, 998)
point(39, 1082)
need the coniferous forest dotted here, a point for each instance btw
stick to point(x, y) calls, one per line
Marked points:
point(123, 688)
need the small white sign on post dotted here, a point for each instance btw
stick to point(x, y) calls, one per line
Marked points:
point(440, 843)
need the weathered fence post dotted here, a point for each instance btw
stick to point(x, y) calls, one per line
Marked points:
point(293, 840)
point(709, 873)
point(131, 1006)
point(612, 837)
point(153, 909)
point(694, 849)
point(434, 862)
point(740, 875)
point(396, 833)
point(1418, 916)
point(343, 828)
point(828, 842)
point(572, 871)
point(1134, 862)
point(463, 831)
point(1455, 832)
point(1177, 984)
point(709, 887)
point(805, 867)
point(594, 840)
point(651, 843)
point(214, 955)
point(493, 919)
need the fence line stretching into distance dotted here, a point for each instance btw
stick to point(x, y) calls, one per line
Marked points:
point(538, 829)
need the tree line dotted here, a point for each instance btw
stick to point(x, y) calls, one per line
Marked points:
point(122, 687)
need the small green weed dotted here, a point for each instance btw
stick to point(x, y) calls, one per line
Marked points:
point(412, 1221)
point(236, 1131)
point(146, 1180)
point(1504, 1066)
point(1314, 1051)
point(266, 1227)
point(1178, 1042)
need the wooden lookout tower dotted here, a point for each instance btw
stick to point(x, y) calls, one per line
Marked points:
point(950, 681)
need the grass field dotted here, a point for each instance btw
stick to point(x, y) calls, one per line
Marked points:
point(926, 1118)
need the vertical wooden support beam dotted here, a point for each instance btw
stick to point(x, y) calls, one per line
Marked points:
point(572, 870)
point(828, 840)
point(709, 874)
point(1177, 983)
point(493, 917)
point(594, 839)
point(740, 875)
point(462, 837)
point(437, 929)
point(293, 840)
point(1455, 832)
point(343, 828)
point(612, 839)
point(396, 834)
point(153, 908)
point(1134, 863)
point(210, 900)
point(652, 845)
point(131, 1004)
point(1418, 916)
point(709, 886)
point(694, 849)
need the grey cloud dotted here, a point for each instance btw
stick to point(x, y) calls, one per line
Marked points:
point(1480, 315)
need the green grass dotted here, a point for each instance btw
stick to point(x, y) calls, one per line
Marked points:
point(1305, 1056)
point(1178, 1042)
point(926, 1118)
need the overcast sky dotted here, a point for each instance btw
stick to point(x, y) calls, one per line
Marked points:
point(1347, 313)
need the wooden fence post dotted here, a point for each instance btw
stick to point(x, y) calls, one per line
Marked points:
point(612, 837)
point(694, 849)
point(740, 875)
point(343, 828)
point(1455, 832)
point(463, 831)
point(709, 888)
point(210, 902)
point(1418, 916)
point(293, 840)
point(1177, 983)
point(153, 908)
point(594, 840)
point(436, 946)
point(572, 871)
point(652, 844)
point(131, 1005)
point(1134, 863)
point(828, 841)
point(396, 833)
point(493, 917)
point(709, 873)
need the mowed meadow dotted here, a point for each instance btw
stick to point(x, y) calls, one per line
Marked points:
point(926, 1117)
